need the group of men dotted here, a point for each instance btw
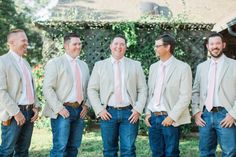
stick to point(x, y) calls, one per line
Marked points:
point(118, 94)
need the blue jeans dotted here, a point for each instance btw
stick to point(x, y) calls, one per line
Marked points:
point(164, 141)
point(16, 139)
point(119, 128)
point(213, 133)
point(67, 133)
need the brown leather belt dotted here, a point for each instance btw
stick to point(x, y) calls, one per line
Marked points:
point(121, 108)
point(217, 109)
point(26, 107)
point(160, 113)
point(73, 104)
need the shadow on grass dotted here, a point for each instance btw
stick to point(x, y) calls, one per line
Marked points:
point(39, 153)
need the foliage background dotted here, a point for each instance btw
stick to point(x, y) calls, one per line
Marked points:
point(45, 40)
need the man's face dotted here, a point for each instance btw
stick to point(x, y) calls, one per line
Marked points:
point(73, 47)
point(215, 46)
point(160, 49)
point(118, 48)
point(19, 43)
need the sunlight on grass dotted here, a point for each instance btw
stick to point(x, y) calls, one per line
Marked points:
point(92, 145)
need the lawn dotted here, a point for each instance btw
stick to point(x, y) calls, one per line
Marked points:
point(92, 145)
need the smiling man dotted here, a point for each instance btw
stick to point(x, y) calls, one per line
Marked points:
point(19, 107)
point(214, 100)
point(117, 92)
point(64, 88)
point(169, 95)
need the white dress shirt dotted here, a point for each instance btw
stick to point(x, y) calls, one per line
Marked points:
point(125, 96)
point(220, 62)
point(153, 106)
point(23, 99)
point(72, 96)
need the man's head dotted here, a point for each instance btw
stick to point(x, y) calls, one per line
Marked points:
point(118, 47)
point(215, 44)
point(72, 44)
point(164, 46)
point(17, 41)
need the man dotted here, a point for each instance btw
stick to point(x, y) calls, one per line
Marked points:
point(19, 107)
point(117, 93)
point(169, 95)
point(64, 88)
point(213, 100)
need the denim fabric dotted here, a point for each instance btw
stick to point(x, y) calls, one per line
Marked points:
point(213, 133)
point(67, 134)
point(164, 141)
point(119, 128)
point(16, 139)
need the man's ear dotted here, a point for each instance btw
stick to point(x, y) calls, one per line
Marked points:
point(224, 44)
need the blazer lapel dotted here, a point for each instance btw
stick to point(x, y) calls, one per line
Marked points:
point(126, 68)
point(14, 62)
point(67, 68)
point(204, 73)
point(170, 72)
point(83, 73)
point(224, 69)
point(109, 70)
point(154, 76)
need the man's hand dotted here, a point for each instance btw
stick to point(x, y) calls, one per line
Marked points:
point(227, 122)
point(64, 113)
point(20, 118)
point(36, 114)
point(134, 116)
point(84, 111)
point(146, 120)
point(167, 121)
point(105, 115)
point(198, 119)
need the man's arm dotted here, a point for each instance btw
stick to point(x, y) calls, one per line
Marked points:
point(49, 86)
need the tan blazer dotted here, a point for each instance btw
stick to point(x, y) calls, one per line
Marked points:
point(11, 86)
point(177, 90)
point(226, 89)
point(58, 82)
point(101, 84)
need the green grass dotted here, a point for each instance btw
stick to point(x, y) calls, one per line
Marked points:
point(92, 145)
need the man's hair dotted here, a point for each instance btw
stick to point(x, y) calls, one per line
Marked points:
point(12, 32)
point(68, 37)
point(215, 34)
point(168, 40)
point(119, 36)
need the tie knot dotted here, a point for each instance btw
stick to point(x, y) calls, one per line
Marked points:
point(74, 61)
point(117, 61)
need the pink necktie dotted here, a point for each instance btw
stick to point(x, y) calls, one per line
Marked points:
point(28, 82)
point(211, 87)
point(159, 84)
point(118, 93)
point(79, 92)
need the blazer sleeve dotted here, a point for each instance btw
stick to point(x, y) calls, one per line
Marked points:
point(185, 90)
point(49, 87)
point(6, 100)
point(94, 90)
point(196, 93)
point(86, 85)
point(141, 90)
point(149, 96)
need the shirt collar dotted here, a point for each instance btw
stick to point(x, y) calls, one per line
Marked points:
point(218, 60)
point(113, 60)
point(17, 57)
point(70, 58)
point(168, 61)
